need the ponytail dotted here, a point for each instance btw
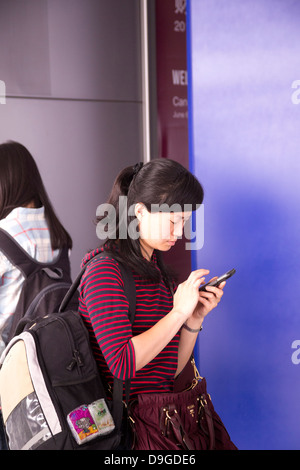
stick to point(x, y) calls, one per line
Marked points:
point(123, 181)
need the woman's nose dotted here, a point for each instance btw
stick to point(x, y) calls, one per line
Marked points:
point(178, 230)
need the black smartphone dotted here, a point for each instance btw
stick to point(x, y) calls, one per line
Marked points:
point(220, 279)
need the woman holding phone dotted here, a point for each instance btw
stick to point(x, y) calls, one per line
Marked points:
point(154, 350)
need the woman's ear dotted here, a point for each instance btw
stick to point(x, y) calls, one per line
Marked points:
point(139, 210)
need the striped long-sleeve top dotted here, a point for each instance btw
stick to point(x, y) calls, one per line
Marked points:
point(104, 308)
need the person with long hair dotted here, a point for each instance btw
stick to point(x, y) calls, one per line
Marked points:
point(161, 196)
point(26, 214)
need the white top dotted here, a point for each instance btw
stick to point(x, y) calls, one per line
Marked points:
point(29, 228)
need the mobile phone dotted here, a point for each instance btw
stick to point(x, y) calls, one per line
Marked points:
point(218, 281)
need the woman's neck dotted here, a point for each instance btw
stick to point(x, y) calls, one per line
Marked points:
point(146, 251)
point(30, 205)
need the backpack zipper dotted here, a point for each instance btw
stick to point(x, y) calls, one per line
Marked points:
point(76, 360)
point(76, 357)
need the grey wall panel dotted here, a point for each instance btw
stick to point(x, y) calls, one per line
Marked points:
point(24, 47)
point(95, 49)
point(83, 58)
point(79, 148)
point(71, 48)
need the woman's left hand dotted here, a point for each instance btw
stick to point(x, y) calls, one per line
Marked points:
point(208, 300)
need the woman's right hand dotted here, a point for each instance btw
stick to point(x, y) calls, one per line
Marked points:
point(152, 341)
point(186, 297)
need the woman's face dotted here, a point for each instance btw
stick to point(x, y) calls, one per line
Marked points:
point(159, 230)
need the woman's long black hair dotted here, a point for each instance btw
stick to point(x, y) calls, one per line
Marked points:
point(160, 181)
point(21, 184)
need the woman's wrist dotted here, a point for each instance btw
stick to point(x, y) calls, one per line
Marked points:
point(189, 323)
point(194, 325)
point(191, 330)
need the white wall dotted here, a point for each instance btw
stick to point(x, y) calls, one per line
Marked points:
point(73, 97)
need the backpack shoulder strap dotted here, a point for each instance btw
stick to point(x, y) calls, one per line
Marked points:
point(23, 261)
point(14, 252)
point(129, 286)
point(130, 292)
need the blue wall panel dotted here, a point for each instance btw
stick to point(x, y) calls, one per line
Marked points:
point(244, 94)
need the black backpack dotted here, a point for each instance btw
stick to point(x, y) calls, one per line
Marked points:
point(65, 403)
point(44, 288)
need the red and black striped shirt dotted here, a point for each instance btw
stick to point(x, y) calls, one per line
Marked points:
point(104, 308)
